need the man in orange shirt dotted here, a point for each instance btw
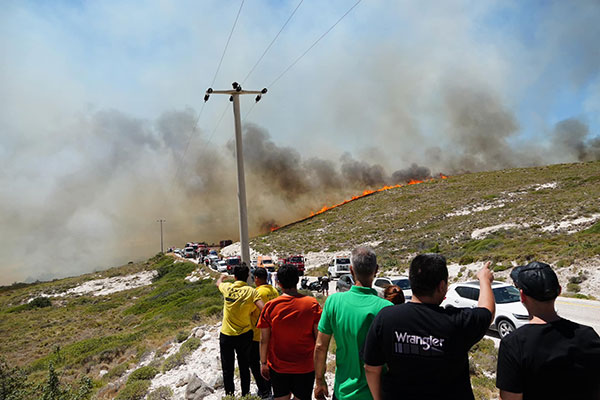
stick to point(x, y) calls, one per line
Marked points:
point(288, 327)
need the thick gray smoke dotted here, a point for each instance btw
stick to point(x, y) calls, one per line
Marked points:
point(571, 140)
point(135, 175)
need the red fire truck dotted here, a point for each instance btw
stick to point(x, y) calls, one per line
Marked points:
point(297, 261)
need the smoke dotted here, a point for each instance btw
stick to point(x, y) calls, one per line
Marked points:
point(571, 140)
point(383, 99)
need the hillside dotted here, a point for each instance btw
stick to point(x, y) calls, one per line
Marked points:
point(511, 216)
point(108, 324)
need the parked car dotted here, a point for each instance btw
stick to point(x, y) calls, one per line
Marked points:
point(344, 283)
point(510, 312)
point(189, 252)
point(266, 262)
point(222, 266)
point(379, 285)
point(338, 266)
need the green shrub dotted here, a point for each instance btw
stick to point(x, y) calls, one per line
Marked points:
point(40, 302)
point(466, 259)
point(593, 229)
point(573, 287)
point(161, 393)
point(13, 382)
point(213, 310)
point(135, 390)
point(173, 361)
point(117, 371)
point(181, 336)
point(500, 267)
point(190, 345)
point(144, 373)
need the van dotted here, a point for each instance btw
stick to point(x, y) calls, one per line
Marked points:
point(265, 262)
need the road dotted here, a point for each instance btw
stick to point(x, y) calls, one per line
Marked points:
point(586, 312)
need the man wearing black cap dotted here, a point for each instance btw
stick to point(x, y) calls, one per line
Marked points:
point(551, 357)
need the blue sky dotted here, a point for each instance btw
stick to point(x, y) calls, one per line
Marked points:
point(105, 94)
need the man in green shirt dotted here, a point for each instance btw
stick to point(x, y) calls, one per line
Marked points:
point(347, 316)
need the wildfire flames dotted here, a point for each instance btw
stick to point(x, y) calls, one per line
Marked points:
point(365, 193)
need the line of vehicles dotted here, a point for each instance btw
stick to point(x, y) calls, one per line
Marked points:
point(510, 313)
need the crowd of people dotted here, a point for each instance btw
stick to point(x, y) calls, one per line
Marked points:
point(386, 348)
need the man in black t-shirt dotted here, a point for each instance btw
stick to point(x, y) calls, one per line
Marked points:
point(423, 345)
point(551, 357)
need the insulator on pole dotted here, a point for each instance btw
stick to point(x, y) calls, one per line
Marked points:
point(206, 96)
point(209, 90)
point(264, 91)
point(258, 97)
point(231, 98)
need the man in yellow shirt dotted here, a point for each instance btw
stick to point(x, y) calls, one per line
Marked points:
point(266, 292)
point(240, 301)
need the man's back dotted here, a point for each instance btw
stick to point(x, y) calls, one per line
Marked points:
point(559, 359)
point(239, 299)
point(347, 316)
point(292, 340)
point(425, 348)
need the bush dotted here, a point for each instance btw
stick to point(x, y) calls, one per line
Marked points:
point(40, 302)
point(190, 345)
point(117, 371)
point(181, 336)
point(135, 390)
point(13, 382)
point(161, 393)
point(466, 260)
point(143, 373)
point(173, 361)
point(573, 287)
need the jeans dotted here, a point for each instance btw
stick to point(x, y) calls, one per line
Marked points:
point(230, 347)
point(264, 387)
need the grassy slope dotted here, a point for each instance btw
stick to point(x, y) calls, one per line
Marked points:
point(413, 218)
point(84, 334)
point(111, 332)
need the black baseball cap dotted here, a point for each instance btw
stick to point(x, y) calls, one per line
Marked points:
point(537, 280)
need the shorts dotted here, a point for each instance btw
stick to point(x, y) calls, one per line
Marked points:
point(301, 385)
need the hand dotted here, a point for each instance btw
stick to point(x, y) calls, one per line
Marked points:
point(264, 371)
point(485, 274)
point(321, 391)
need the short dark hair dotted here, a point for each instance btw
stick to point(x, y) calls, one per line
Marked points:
point(426, 272)
point(260, 273)
point(287, 276)
point(364, 262)
point(241, 272)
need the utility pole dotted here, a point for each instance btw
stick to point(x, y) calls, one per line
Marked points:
point(243, 211)
point(161, 233)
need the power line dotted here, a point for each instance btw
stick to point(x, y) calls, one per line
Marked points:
point(227, 44)
point(179, 165)
point(273, 41)
point(313, 45)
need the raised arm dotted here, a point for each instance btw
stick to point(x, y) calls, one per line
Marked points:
point(321, 348)
point(486, 296)
point(221, 279)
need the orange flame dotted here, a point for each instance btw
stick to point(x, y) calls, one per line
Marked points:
point(365, 193)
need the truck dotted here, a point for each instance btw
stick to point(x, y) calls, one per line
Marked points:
point(232, 262)
point(297, 261)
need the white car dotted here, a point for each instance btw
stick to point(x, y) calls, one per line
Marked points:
point(510, 312)
point(379, 285)
point(338, 266)
point(222, 266)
